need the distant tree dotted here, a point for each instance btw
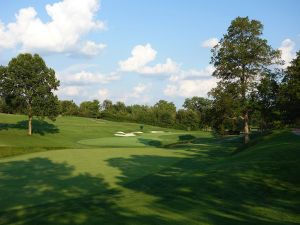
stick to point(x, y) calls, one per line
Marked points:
point(107, 105)
point(142, 113)
point(290, 92)
point(202, 106)
point(165, 113)
point(119, 107)
point(68, 108)
point(240, 58)
point(29, 83)
point(189, 119)
point(90, 109)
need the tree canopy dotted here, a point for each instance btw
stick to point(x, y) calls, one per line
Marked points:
point(290, 92)
point(29, 83)
point(240, 58)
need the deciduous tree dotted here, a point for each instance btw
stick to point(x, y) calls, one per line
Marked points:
point(240, 58)
point(30, 83)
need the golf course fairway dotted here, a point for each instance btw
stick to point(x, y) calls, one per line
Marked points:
point(76, 171)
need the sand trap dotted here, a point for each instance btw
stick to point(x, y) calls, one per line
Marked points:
point(157, 132)
point(123, 134)
point(131, 134)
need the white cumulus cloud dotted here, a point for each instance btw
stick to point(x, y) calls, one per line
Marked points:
point(138, 90)
point(69, 91)
point(168, 67)
point(141, 55)
point(90, 48)
point(86, 78)
point(69, 21)
point(288, 53)
point(190, 88)
point(210, 43)
point(103, 94)
point(192, 74)
point(139, 94)
point(189, 83)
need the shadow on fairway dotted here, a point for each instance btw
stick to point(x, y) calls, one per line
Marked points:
point(204, 190)
point(38, 126)
point(39, 191)
point(184, 142)
point(150, 142)
point(186, 137)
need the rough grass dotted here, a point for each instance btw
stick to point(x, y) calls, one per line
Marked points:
point(91, 177)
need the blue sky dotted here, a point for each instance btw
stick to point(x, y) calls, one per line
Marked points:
point(136, 51)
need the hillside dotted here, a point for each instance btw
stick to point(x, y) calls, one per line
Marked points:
point(83, 174)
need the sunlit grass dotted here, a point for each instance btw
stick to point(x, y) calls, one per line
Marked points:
point(83, 174)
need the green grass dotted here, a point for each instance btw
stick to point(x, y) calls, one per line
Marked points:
point(78, 172)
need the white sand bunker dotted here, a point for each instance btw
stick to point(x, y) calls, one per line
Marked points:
point(157, 132)
point(131, 134)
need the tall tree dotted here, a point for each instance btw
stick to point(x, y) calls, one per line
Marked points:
point(240, 58)
point(28, 81)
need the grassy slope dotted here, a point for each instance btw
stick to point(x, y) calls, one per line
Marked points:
point(66, 132)
point(186, 183)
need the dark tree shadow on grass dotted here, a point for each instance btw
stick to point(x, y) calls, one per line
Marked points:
point(41, 127)
point(186, 137)
point(150, 142)
point(39, 191)
point(206, 192)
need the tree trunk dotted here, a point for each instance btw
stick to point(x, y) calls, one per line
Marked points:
point(246, 128)
point(30, 125)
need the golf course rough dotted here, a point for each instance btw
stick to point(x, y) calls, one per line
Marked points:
point(75, 171)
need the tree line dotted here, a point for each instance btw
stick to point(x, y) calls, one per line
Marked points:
point(252, 90)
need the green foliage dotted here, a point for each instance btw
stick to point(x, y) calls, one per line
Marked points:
point(171, 178)
point(265, 100)
point(68, 108)
point(188, 119)
point(27, 85)
point(203, 107)
point(290, 92)
point(165, 113)
point(89, 109)
point(240, 59)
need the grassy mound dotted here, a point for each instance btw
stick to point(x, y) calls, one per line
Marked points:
point(167, 179)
